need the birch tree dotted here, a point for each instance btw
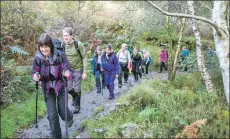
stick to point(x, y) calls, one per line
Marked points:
point(178, 49)
point(220, 25)
point(200, 57)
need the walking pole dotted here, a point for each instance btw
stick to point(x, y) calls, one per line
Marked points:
point(36, 113)
point(66, 105)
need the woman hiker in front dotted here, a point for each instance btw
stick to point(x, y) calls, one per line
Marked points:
point(50, 66)
point(110, 69)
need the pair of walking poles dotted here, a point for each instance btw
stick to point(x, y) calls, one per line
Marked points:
point(66, 105)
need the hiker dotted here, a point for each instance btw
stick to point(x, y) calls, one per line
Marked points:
point(110, 69)
point(136, 62)
point(50, 66)
point(77, 57)
point(140, 52)
point(97, 68)
point(146, 61)
point(209, 52)
point(124, 60)
point(163, 59)
point(184, 53)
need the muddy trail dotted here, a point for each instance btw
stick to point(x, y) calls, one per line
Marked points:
point(89, 101)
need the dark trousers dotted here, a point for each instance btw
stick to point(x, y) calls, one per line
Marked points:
point(146, 70)
point(99, 79)
point(123, 68)
point(136, 70)
point(56, 105)
point(162, 65)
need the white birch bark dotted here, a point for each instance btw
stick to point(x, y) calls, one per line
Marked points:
point(220, 17)
point(220, 24)
point(178, 48)
point(200, 57)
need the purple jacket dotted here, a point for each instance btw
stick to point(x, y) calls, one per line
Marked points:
point(51, 70)
point(110, 67)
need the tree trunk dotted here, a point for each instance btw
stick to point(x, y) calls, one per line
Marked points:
point(200, 57)
point(220, 17)
point(178, 50)
point(170, 44)
point(220, 24)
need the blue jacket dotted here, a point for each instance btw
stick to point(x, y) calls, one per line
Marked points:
point(94, 64)
point(184, 53)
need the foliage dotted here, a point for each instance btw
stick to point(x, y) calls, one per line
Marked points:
point(190, 62)
point(16, 80)
point(16, 49)
point(165, 110)
point(20, 115)
point(98, 110)
point(211, 62)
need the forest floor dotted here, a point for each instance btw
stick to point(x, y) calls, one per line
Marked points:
point(89, 102)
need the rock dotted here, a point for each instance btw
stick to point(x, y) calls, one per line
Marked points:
point(120, 105)
point(148, 135)
point(98, 130)
point(128, 130)
point(93, 102)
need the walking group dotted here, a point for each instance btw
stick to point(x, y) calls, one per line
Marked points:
point(60, 71)
point(60, 67)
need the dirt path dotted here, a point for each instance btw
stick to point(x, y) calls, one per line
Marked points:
point(89, 102)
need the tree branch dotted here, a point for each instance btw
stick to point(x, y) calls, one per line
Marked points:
point(188, 16)
point(205, 6)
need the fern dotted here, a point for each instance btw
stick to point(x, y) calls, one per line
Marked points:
point(18, 50)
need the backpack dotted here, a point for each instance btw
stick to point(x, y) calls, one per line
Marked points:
point(150, 60)
point(61, 46)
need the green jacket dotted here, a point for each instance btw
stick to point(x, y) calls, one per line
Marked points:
point(74, 58)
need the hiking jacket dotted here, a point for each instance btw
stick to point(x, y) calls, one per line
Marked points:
point(124, 57)
point(95, 64)
point(74, 57)
point(163, 56)
point(136, 59)
point(110, 68)
point(184, 53)
point(51, 70)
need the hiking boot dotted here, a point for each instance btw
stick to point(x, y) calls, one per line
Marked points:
point(160, 72)
point(70, 123)
point(76, 109)
point(98, 91)
point(119, 85)
point(111, 97)
point(125, 81)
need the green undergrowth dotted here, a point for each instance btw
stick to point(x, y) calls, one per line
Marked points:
point(162, 110)
point(20, 115)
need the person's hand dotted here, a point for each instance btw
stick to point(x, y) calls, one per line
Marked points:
point(84, 76)
point(140, 67)
point(36, 77)
point(116, 75)
point(66, 73)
